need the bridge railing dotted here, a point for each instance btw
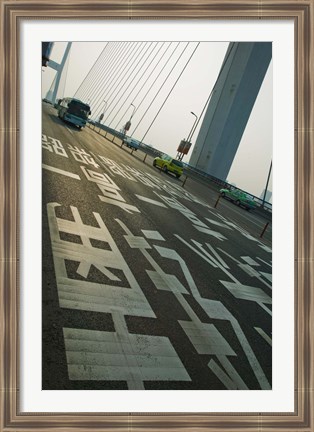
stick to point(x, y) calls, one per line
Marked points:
point(117, 134)
point(189, 170)
point(222, 184)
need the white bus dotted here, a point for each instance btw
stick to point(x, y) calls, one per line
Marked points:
point(73, 111)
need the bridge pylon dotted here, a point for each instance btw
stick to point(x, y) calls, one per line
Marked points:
point(52, 92)
point(230, 106)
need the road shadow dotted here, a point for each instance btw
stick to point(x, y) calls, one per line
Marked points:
point(60, 122)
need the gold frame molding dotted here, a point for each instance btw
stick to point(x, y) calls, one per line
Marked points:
point(12, 12)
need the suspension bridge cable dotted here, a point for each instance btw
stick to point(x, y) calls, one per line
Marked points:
point(160, 72)
point(142, 86)
point(94, 65)
point(125, 83)
point(95, 72)
point(124, 64)
point(122, 77)
point(175, 83)
point(108, 73)
point(105, 73)
point(163, 83)
point(103, 68)
point(114, 73)
point(90, 82)
point(158, 75)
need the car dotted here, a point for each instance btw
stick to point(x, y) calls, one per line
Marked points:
point(238, 197)
point(168, 164)
point(131, 143)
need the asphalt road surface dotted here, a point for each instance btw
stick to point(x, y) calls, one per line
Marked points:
point(145, 284)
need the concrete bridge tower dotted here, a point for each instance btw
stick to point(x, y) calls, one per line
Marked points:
point(52, 92)
point(229, 109)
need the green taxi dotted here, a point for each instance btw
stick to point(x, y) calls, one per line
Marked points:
point(239, 198)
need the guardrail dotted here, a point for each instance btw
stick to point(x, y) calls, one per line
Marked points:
point(194, 172)
point(143, 147)
point(188, 170)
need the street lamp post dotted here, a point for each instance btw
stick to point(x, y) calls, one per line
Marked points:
point(102, 115)
point(267, 181)
point(185, 144)
point(105, 106)
point(192, 130)
point(127, 126)
point(133, 111)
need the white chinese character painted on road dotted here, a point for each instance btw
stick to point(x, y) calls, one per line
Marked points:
point(109, 190)
point(197, 223)
point(142, 177)
point(121, 356)
point(80, 155)
point(116, 169)
point(205, 337)
point(120, 295)
point(53, 145)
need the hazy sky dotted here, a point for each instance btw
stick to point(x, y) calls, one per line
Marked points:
point(190, 92)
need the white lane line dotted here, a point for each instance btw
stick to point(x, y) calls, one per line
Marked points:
point(264, 335)
point(59, 171)
point(266, 309)
point(218, 257)
point(230, 256)
point(220, 374)
point(267, 263)
point(267, 276)
point(69, 130)
point(240, 384)
point(266, 248)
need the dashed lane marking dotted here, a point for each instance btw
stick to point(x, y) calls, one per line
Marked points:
point(59, 171)
point(264, 335)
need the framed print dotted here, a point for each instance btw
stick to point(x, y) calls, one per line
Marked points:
point(157, 294)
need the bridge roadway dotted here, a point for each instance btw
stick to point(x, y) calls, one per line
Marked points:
point(145, 284)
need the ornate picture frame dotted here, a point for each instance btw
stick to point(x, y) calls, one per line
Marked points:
point(12, 14)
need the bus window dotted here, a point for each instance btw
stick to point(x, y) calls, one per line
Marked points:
point(73, 111)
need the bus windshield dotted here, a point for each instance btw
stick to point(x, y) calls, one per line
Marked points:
point(78, 109)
